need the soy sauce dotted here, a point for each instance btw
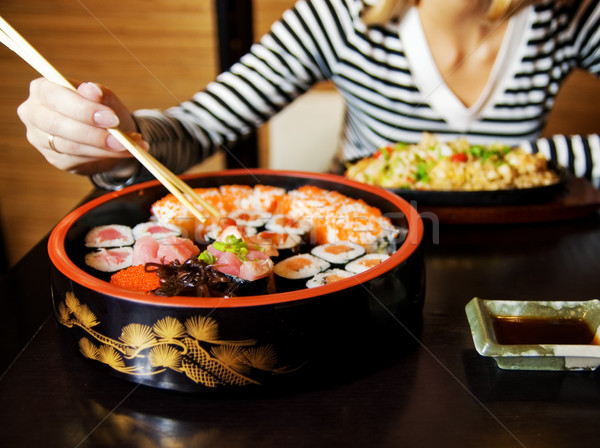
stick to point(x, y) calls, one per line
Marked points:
point(517, 330)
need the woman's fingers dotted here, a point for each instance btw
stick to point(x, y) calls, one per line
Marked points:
point(55, 110)
point(70, 128)
point(104, 95)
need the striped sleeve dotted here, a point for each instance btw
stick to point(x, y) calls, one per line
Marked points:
point(287, 62)
point(587, 40)
point(579, 154)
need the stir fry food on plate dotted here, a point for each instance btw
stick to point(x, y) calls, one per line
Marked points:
point(452, 166)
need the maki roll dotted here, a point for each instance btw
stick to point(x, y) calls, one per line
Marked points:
point(113, 247)
point(288, 224)
point(219, 234)
point(112, 235)
point(338, 254)
point(250, 218)
point(277, 244)
point(366, 262)
point(327, 277)
point(156, 230)
point(293, 272)
point(110, 260)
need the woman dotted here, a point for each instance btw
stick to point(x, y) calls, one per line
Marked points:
point(487, 71)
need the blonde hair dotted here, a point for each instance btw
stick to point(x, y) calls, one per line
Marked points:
point(382, 11)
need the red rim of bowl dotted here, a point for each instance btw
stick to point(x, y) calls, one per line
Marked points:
point(60, 259)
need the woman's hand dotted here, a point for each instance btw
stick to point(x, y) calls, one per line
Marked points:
point(70, 128)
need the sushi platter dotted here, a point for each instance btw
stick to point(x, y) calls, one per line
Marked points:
point(257, 310)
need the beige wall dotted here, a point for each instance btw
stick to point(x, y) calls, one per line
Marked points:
point(153, 53)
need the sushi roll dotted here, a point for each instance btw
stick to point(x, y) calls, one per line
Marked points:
point(293, 272)
point(277, 244)
point(110, 260)
point(224, 227)
point(338, 254)
point(264, 197)
point(170, 209)
point(287, 224)
point(366, 262)
point(112, 235)
point(250, 218)
point(156, 230)
point(337, 217)
point(327, 277)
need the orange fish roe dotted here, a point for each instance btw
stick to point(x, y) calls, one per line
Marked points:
point(169, 210)
point(233, 195)
point(265, 197)
point(136, 278)
point(334, 216)
point(337, 217)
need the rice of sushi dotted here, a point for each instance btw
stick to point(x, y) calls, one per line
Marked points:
point(216, 233)
point(288, 224)
point(250, 218)
point(279, 240)
point(366, 262)
point(338, 253)
point(327, 277)
point(110, 260)
point(156, 230)
point(112, 235)
point(301, 266)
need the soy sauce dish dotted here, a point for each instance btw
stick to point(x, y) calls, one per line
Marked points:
point(532, 335)
point(271, 341)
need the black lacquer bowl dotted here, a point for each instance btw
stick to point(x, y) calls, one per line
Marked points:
point(263, 342)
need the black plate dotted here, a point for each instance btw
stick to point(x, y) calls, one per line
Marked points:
point(515, 196)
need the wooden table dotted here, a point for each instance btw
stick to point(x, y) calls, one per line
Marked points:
point(442, 393)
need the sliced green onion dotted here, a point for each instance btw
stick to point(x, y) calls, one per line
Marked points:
point(234, 245)
point(207, 257)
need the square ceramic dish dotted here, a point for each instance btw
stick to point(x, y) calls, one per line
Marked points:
point(481, 315)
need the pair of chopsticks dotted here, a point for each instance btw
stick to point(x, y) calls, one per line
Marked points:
point(182, 191)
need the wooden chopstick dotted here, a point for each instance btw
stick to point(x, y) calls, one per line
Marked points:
point(174, 184)
point(182, 191)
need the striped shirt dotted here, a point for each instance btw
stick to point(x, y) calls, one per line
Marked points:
point(382, 76)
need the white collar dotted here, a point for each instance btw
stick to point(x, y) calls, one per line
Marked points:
point(433, 88)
